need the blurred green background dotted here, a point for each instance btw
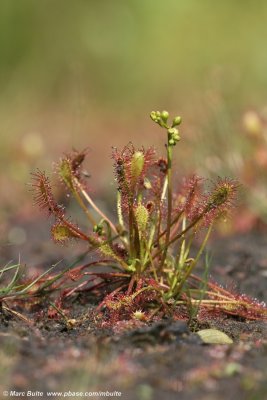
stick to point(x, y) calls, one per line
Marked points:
point(87, 73)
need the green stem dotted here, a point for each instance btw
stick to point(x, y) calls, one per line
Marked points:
point(131, 228)
point(84, 207)
point(119, 210)
point(122, 229)
point(194, 262)
point(176, 237)
point(169, 199)
point(148, 246)
point(174, 221)
point(92, 204)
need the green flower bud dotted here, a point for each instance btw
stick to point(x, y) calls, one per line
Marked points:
point(172, 131)
point(156, 117)
point(98, 229)
point(176, 137)
point(177, 120)
point(164, 116)
point(153, 116)
point(173, 135)
point(172, 142)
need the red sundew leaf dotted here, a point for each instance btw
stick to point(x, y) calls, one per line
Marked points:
point(43, 195)
point(190, 199)
point(69, 169)
point(210, 206)
point(123, 165)
point(222, 197)
point(234, 303)
point(64, 230)
point(77, 158)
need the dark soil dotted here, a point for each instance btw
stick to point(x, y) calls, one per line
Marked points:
point(163, 360)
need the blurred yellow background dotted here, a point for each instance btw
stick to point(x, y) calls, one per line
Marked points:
point(85, 73)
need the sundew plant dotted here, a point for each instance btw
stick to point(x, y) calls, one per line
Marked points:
point(147, 245)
